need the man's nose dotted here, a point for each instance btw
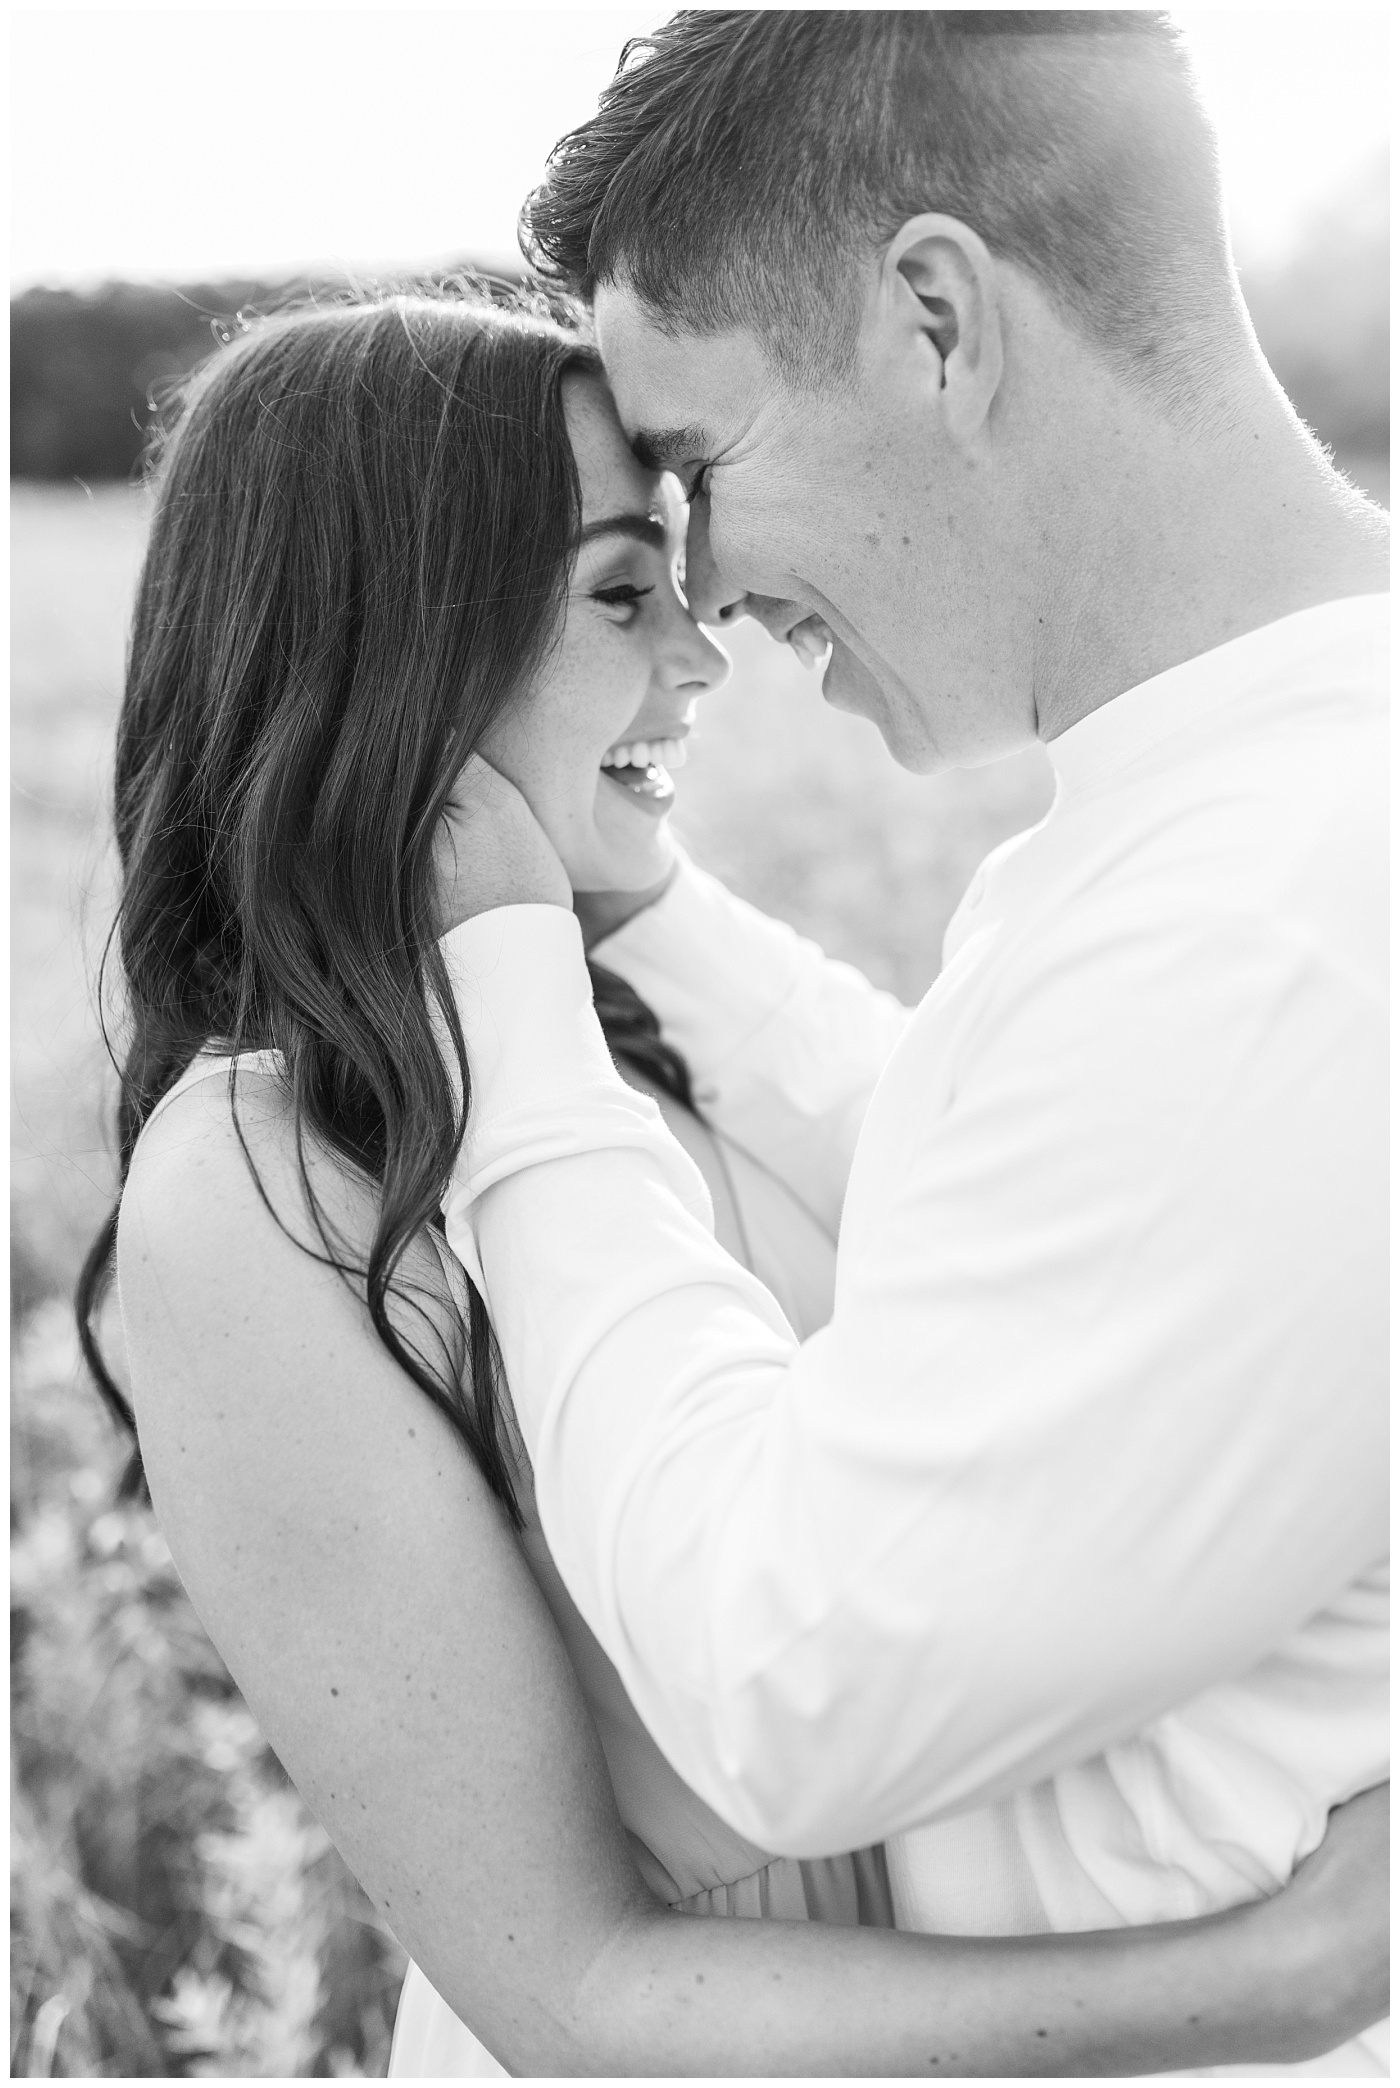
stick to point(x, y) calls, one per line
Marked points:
point(710, 601)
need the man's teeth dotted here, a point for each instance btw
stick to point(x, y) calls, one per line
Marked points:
point(668, 754)
point(810, 640)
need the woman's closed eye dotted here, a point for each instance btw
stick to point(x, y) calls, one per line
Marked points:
point(623, 595)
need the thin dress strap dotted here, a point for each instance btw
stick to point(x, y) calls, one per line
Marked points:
point(206, 1064)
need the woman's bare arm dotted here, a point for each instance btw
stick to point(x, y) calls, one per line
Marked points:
point(1278, 1982)
point(370, 1599)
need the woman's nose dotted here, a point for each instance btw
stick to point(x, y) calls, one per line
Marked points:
point(698, 664)
point(710, 600)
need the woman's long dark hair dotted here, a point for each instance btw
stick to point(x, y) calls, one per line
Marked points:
point(359, 555)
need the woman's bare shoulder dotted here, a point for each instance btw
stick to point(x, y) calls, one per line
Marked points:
point(221, 1205)
point(354, 1569)
point(216, 1168)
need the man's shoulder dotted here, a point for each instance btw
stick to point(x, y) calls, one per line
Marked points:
point(1280, 819)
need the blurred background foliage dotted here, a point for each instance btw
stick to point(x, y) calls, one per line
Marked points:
point(175, 1909)
point(85, 364)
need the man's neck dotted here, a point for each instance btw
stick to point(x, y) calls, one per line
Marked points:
point(1182, 544)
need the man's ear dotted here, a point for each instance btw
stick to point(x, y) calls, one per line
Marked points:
point(942, 285)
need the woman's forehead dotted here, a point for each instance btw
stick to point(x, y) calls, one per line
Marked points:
point(610, 477)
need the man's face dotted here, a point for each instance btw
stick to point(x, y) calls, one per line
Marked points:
point(849, 504)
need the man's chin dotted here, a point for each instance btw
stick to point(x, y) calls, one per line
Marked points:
point(849, 685)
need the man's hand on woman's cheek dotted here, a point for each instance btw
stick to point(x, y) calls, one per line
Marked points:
point(492, 851)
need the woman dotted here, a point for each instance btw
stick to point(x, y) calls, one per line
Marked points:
point(392, 537)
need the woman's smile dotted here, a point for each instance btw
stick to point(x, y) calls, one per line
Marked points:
point(594, 744)
point(643, 765)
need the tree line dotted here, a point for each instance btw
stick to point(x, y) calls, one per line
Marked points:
point(87, 368)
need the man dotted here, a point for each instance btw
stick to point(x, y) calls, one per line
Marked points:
point(1059, 1557)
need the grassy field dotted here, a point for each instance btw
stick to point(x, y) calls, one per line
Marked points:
point(176, 1910)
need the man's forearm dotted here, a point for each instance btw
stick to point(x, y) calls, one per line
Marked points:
point(784, 1045)
point(936, 1552)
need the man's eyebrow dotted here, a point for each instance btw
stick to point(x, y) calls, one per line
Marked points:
point(647, 529)
point(661, 449)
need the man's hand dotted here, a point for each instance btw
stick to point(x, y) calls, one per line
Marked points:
point(603, 913)
point(492, 851)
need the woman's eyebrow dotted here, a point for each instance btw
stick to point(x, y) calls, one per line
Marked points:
point(647, 529)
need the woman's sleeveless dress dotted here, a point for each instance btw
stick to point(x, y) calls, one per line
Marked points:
point(689, 1857)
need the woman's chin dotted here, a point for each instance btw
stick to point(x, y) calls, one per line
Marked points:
point(619, 870)
point(633, 870)
point(631, 844)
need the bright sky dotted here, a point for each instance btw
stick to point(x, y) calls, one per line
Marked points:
point(207, 140)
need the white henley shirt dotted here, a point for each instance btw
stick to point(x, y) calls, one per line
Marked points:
point(1059, 1556)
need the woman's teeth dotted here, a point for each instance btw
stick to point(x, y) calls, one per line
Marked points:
point(645, 754)
point(810, 640)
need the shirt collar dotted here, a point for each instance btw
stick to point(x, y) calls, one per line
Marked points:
point(1133, 723)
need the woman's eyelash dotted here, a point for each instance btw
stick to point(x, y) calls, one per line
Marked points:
point(621, 595)
point(697, 484)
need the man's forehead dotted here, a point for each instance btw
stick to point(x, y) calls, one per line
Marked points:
point(644, 370)
point(674, 391)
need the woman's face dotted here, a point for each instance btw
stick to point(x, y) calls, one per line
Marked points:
point(587, 744)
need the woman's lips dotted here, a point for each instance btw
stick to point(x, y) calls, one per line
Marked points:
point(642, 768)
point(650, 789)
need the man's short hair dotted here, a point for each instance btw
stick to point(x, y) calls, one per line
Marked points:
point(740, 163)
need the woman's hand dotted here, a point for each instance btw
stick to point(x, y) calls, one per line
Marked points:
point(1330, 1926)
point(1277, 1981)
point(492, 851)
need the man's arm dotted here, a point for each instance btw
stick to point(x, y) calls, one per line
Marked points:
point(1092, 1427)
point(784, 1044)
